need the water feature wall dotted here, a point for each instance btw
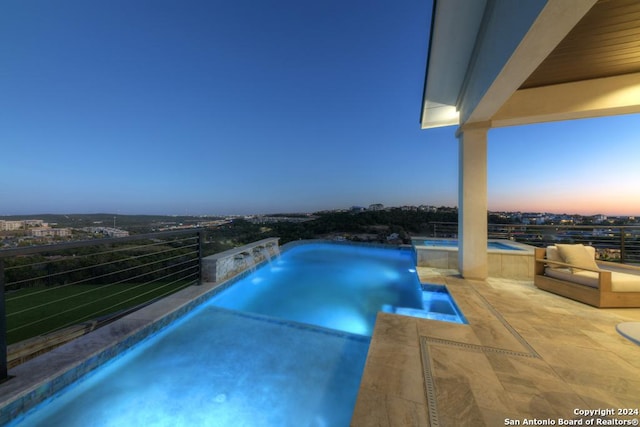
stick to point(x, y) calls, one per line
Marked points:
point(223, 265)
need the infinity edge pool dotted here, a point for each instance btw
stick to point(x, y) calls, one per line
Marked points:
point(42, 377)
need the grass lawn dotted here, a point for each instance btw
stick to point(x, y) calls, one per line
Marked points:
point(37, 311)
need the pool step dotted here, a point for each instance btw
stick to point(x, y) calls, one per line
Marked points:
point(421, 313)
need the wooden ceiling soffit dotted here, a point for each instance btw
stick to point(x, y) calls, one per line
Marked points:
point(605, 43)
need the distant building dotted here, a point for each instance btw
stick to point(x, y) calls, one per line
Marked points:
point(21, 224)
point(376, 207)
point(533, 218)
point(50, 232)
point(115, 232)
point(427, 208)
point(107, 231)
point(599, 219)
point(11, 225)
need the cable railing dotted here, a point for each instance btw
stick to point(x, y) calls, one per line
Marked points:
point(616, 243)
point(63, 290)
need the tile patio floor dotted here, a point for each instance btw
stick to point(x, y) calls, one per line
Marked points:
point(525, 354)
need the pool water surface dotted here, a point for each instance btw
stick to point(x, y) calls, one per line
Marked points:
point(219, 368)
point(340, 287)
point(282, 346)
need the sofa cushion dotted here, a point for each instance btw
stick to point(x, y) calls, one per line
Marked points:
point(586, 278)
point(554, 255)
point(620, 282)
point(625, 282)
point(579, 256)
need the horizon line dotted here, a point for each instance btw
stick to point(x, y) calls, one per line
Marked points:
point(308, 212)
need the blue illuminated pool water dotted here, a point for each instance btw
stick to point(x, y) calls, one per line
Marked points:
point(253, 355)
point(335, 286)
point(217, 367)
point(453, 243)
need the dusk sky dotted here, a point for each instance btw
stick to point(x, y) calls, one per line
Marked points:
point(236, 107)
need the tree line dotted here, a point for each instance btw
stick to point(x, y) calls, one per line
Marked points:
point(381, 223)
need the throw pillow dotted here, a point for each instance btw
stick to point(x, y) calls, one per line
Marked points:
point(577, 255)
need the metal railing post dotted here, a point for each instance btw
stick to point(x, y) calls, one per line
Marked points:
point(622, 254)
point(200, 241)
point(3, 327)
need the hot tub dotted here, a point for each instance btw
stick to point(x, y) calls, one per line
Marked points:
point(506, 258)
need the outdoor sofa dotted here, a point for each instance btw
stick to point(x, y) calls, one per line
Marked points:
point(572, 271)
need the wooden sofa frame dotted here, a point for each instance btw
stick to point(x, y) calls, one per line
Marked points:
point(601, 297)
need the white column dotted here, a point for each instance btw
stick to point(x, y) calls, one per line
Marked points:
point(472, 201)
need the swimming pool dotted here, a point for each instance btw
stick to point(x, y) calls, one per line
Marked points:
point(220, 366)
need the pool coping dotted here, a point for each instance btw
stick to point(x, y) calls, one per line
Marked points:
point(38, 379)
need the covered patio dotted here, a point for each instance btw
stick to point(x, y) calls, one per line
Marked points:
point(526, 357)
point(495, 63)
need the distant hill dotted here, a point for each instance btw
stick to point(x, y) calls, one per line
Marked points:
point(107, 219)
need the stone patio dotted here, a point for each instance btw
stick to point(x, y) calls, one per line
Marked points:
point(525, 354)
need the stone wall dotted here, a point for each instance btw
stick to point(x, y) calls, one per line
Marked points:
point(221, 266)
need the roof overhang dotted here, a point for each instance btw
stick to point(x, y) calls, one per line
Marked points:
point(559, 59)
point(453, 36)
